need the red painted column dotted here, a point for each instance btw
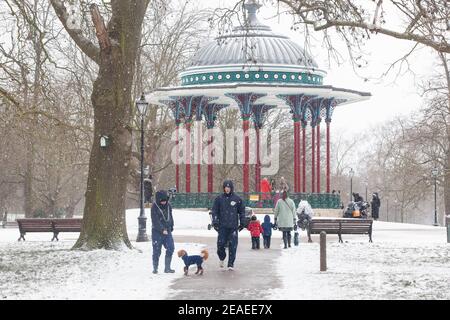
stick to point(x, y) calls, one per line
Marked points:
point(313, 163)
point(245, 125)
point(258, 162)
point(328, 156)
point(318, 158)
point(199, 156)
point(177, 165)
point(188, 157)
point(299, 157)
point(296, 156)
point(304, 158)
point(210, 164)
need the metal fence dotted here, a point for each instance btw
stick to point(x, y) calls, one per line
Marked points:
point(256, 200)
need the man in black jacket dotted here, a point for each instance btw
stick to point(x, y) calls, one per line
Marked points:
point(162, 227)
point(228, 215)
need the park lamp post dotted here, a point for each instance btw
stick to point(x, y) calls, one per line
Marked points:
point(352, 173)
point(367, 185)
point(434, 173)
point(142, 106)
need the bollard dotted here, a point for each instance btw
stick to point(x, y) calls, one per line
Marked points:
point(323, 251)
point(447, 223)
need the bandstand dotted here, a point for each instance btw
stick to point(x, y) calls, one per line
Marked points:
point(256, 70)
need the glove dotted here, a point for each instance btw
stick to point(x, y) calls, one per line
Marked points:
point(241, 227)
point(275, 227)
point(216, 226)
point(295, 227)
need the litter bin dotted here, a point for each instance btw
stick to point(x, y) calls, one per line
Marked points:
point(447, 223)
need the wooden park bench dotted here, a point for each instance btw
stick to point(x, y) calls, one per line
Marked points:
point(48, 225)
point(340, 226)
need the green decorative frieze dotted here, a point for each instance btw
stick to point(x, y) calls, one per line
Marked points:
point(252, 76)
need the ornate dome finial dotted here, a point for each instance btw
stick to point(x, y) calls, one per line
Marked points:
point(252, 6)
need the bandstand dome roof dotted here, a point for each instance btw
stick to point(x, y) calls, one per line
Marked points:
point(252, 47)
point(254, 43)
point(253, 58)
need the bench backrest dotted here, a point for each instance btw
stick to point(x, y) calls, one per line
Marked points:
point(341, 225)
point(44, 224)
point(36, 224)
point(67, 224)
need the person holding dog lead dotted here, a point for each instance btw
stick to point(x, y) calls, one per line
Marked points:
point(162, 227)
point(228, 217)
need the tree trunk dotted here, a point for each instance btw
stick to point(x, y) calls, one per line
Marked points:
point(447, 162)
point(30, 148)
point(104, 224)
point(447, 179)
point(28, 181)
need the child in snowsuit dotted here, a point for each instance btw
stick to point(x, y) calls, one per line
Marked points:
point(255, 230)
point(267, 226)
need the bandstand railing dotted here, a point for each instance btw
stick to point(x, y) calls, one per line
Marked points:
point(256, 200)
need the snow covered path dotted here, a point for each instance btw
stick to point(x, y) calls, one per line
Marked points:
point(253, 278)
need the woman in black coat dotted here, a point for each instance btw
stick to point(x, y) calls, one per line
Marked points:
point(375, 204)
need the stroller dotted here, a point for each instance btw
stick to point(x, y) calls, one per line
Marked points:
point(172, 193)
point(303, 220)
point(303, 223)
point(357, 210)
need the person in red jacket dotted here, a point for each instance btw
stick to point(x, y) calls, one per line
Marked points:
point(266, 189)
point(255, 231)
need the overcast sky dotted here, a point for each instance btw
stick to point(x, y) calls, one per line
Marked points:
point(389, 97)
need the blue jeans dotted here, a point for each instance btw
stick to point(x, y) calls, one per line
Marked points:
point(159, 240)
point(230, 237)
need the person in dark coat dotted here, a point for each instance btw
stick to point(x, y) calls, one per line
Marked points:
point(148, 189)
point(375, 204)
point(228, 217)
point(162, 227)
point(267, 226)
point(357, 197)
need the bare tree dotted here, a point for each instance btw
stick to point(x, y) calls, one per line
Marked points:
point(116, 55)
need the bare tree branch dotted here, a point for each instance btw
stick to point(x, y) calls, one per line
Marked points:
point(86, 45)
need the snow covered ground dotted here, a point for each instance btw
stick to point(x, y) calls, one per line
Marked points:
point(404, 262)
point(41, 269)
